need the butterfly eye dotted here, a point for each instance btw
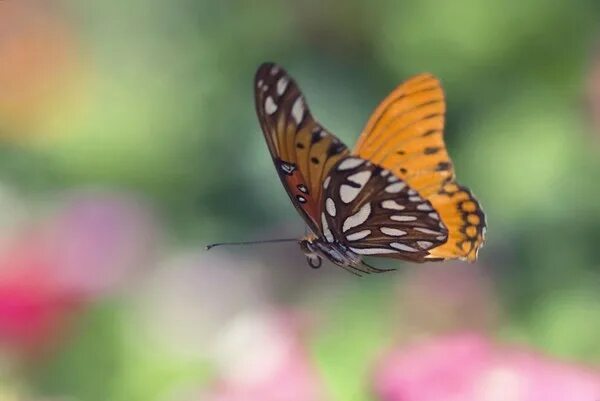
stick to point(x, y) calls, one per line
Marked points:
point(314, 261)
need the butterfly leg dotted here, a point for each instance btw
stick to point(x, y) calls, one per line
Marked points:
point(374, 269)
point(352, 270)
point(360, 270)
point(314, 261)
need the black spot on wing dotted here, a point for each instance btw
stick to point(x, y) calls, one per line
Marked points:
point(335, 149)
point(430, 132)
point(431, 150)
point(316, 137)
point(443, 166)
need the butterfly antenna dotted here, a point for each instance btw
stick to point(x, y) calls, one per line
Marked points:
point(268, 241)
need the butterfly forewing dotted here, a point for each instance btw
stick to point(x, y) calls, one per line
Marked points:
point(405, 135)
point(302, 150)
point(373, 212)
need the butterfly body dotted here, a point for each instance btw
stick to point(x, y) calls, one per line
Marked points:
point(393, 196)
point(316, 248)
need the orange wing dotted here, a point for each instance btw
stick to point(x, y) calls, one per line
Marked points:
point(303, 150)
point(405, 135)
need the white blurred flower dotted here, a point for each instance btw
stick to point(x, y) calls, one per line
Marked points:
point(184, 304)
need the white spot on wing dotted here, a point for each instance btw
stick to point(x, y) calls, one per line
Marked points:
point(360, 178)
point(358, 235)
point(403, 247)
point(274, 70)
point(270, 106)
point(392, 232)
point(425, 207)
point(282, 85)
point(392, 205)
point(298, 110)
point(348, 193)
point(427, 231)
point(384, 173)
point(371, 251)
point(326, 230)
point(403, 218)
point(330, 206)
point(395, 188)
point(424, 244)
point(259, 83)
point(412, 192)
point(357, 219)
point(349, 163)
point(326, 182)
point(415, 198)
point(434, 215)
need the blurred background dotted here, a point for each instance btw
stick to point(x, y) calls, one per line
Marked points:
point(128, 141)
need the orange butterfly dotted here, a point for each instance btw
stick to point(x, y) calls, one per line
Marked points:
point(395, 195)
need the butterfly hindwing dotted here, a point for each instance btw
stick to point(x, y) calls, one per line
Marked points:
point(373, 212)
point(303, 151)
point(405, 135)
point(460, 209)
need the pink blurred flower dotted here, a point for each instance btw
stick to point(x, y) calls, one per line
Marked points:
point(468, 367)
point(55, 267)
point(263, 357)
point(32, 307)
point(99, 240)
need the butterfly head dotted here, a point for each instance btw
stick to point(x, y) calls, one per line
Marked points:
point(311, 250)
point(316, 249)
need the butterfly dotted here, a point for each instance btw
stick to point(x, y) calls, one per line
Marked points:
point(394, 195)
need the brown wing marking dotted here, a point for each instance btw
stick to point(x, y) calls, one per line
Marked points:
point(295, 139)
point(373, 212)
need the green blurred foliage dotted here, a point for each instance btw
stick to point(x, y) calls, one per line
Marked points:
point(166, 110)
